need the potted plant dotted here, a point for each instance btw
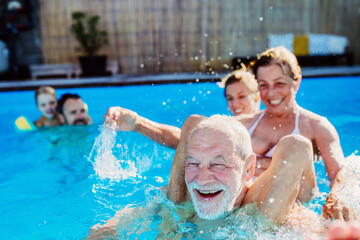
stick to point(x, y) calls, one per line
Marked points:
point(90, 38)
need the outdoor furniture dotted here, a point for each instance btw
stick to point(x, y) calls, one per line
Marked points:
point(67, 69)
point(310, 49)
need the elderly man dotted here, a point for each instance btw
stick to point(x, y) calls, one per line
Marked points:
point(219, 174)
point(220, 167)
point(73, 110)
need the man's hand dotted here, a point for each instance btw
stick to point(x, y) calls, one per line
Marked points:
point(121, 119)
point(335, 209)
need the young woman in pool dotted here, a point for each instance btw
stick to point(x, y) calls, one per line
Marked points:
point(46, 102)
point(241, 93)
point(279, 76)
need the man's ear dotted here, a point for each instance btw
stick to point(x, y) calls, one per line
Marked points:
point(250, 168)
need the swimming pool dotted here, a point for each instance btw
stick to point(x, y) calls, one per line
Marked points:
point(49, 189)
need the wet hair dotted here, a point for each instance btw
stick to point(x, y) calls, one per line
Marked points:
point(281, 57)
point(243, 76)
point(63, 99)
point(44, 90)
point(232, 128)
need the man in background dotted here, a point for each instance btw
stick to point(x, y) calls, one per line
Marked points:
point(73, 110)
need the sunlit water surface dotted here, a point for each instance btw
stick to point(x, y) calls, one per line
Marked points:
point(58, 182)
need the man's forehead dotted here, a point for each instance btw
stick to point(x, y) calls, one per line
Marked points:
point(73, 103)
point(205, 139)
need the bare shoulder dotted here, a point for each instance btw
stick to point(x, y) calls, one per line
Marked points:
point(40, 122)
point(248, 119)
point(312, 124)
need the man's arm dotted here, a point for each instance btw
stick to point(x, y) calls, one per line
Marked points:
point(177, 187)
point(127, 120)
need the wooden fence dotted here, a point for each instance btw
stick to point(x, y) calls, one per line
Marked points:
point(151, 36)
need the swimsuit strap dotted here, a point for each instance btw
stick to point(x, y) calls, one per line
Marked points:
point(252, 129)
point(296, 128)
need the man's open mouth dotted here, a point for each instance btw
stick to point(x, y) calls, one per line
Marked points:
point(208, 194)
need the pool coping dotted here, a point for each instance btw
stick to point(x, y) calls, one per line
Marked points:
point(163, 78)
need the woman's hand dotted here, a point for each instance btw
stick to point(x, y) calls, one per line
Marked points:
point(121, 119)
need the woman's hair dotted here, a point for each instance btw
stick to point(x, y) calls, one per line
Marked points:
point(280, 56)
point(44, 90)
point(243, 76)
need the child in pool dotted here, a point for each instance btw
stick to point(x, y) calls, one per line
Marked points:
point(46, 102)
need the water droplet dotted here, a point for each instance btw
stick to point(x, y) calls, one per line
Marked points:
point(164, 103)
point(197, 80)
point(261, 19)
point(184, 102)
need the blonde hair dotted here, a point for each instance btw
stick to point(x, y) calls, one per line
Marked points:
point(241, 75)
point(44, 90)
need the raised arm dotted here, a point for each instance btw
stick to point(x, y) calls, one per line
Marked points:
point(127, 120)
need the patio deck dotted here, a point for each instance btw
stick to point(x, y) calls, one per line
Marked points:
point(124, 79)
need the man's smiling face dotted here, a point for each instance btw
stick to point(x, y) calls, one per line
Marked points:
point(213, 173)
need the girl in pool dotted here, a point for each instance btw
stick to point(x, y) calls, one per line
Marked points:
point(46, 102)
point(241, 93)
point(279, 76)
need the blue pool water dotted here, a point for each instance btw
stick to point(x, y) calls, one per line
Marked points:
point(49, 188)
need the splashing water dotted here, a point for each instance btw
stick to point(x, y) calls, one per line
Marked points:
point(350, 193)
point(106, 165)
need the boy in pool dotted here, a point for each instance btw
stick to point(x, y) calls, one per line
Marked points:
point(220, 165)
point(46, 102)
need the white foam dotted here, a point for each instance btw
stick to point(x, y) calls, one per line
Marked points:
point(350, 192)
point(106, 165)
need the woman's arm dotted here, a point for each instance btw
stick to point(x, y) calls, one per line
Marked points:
point(127, 120)
point(328, 143)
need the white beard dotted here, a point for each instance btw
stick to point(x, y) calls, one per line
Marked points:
point(213, 208)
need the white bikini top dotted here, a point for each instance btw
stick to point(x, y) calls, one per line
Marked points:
point(295, 131)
